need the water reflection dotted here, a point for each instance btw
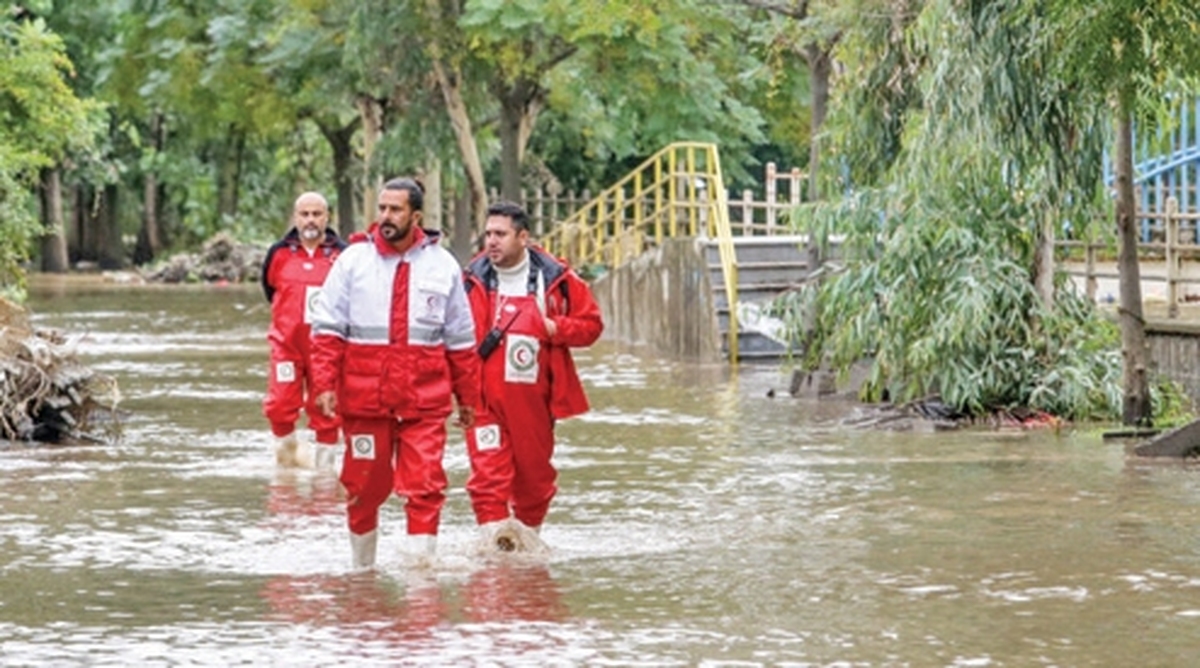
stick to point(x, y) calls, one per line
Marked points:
point(699, 522)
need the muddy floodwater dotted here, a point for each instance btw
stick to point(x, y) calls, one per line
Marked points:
point(698, 523)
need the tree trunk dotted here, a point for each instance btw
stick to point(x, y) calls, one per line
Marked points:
point(820, 67)
point(449, 81)
point(1043, 270)
point(149, 241)
point(372, 123)
point(230, 175)
point(341, 143)
point(75, 203)
point(1136, 406)
point(462, 242)
point(520, 104)
point(468, 150)
point(112, 250)
point(84, 214)
point(433, 218)
point(150, 236)
point(54, 240)
point(510, 160)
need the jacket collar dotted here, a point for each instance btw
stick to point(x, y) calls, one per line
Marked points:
point(421, 237)
point(540, 262)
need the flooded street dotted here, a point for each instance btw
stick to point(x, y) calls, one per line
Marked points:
point(698, 522)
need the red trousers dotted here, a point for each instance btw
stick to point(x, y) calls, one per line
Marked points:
point(288, 380)
point(384, 455)
point(510, 449)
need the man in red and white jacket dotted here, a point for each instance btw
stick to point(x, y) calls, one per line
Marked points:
point(530, 309)
point(292, 274)
point(393, 341)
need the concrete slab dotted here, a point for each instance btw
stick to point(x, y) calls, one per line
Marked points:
point(1180, 443)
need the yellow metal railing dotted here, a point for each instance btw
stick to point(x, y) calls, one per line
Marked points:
point(677, 192)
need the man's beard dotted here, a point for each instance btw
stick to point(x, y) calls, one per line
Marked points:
point(310, 233)
point(390, 232)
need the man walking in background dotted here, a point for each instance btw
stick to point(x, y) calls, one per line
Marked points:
point(529, 308)
point(392, 341)
point(292, 274)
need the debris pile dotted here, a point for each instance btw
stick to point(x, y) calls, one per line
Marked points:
point(45, 393)
point(933, 414)
point(222, 260)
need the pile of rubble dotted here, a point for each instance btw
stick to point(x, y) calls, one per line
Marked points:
point(45, 393)
point(222, 260)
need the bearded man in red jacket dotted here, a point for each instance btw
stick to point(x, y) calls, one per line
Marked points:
point(530, 309)
point(292, 274)
point(393, 341)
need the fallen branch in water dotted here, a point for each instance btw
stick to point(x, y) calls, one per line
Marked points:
point(45, 393)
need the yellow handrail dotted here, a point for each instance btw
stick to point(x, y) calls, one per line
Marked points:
point(677, 192)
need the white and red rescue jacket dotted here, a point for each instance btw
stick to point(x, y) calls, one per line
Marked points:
point(392, 332)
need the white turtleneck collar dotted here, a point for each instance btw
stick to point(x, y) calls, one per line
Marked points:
point(513, 281)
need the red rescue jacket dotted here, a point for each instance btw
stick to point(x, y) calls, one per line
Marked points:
point(290, 279)
point(569, 303)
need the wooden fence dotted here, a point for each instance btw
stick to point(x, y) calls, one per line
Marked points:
point(750, 213)
point(1169, 252)
point(1169, 255)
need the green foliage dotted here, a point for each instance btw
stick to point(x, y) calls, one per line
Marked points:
point(234, 85)
point(647, 76)
point(939, 247)
point(1172, 405)
point(40, 120)
point(876, 95)
point(1126, 51)
point(939, 307)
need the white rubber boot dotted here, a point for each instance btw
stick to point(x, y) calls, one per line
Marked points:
point(529, 539)
point(362, 549)
point(306, 454)
point(328, 457)
point(498, 536)
point(285, 449)
point(420, 550)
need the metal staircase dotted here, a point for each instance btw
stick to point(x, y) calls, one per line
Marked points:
point(679, 192)
point(767, 266)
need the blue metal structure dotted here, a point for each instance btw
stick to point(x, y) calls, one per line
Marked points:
point(1167, 166)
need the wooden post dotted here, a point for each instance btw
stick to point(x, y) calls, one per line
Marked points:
point(1171, 222)
point(747, 212)
point(1090, 254)
point(539, 211)
point(772, 190)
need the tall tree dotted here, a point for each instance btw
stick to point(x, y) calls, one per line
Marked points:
point(522, 43)
point(41, 119)
point(634, 76)
point(1137, 55)
point(447, 57)
point(939, 291)
point(811, 30)
point(307, 61)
